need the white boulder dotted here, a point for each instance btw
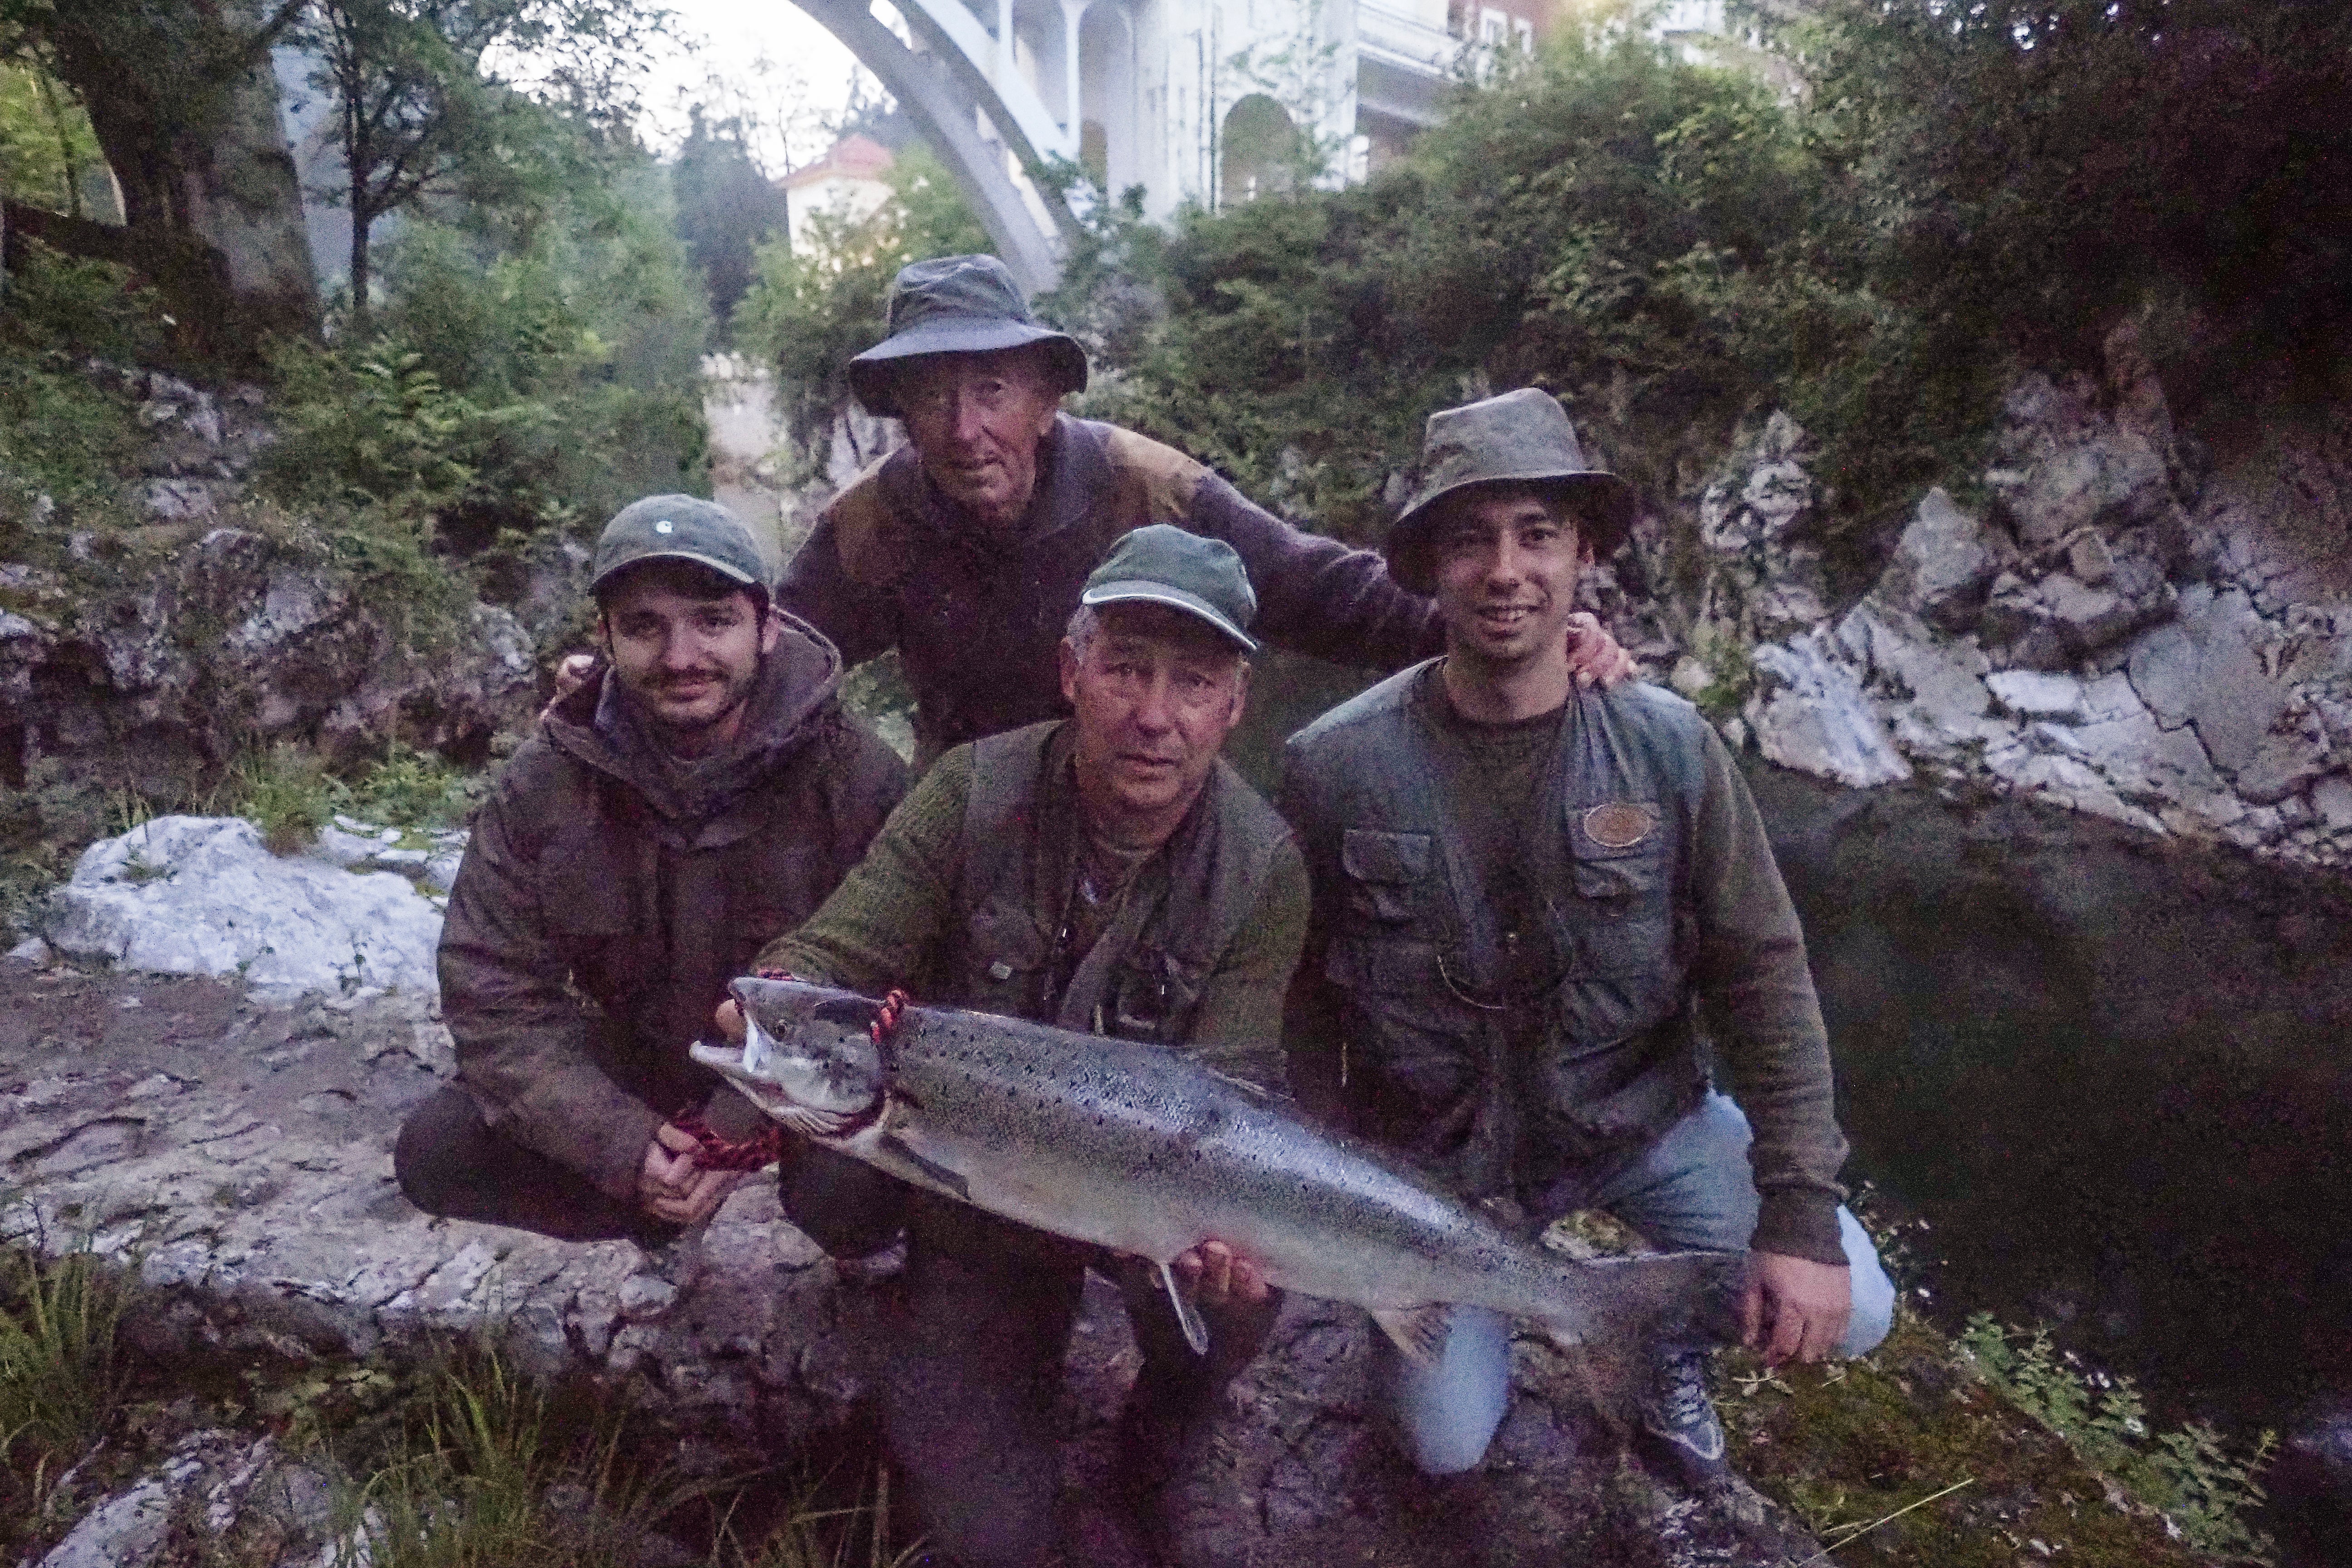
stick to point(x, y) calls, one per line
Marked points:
point(1812, 717)
point(2037, 694)
point(202, 895)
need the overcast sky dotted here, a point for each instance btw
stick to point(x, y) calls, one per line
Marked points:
point(761, 58)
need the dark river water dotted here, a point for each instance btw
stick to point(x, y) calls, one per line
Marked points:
point(2117, 1078)
point(2114, 1075)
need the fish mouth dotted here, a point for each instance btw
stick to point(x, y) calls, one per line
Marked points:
point(809, 1121)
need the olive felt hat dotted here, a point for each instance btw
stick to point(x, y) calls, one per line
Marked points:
point(679, 528)
point(1518, 438)
point(958, 305)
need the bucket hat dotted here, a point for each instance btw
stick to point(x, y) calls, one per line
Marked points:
point(1164, 564)
point(1517, 438)
point(679, 528)
point(957, 305)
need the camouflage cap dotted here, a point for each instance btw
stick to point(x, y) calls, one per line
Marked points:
point(679, 528)
point(1518, 438)
point(958, 305)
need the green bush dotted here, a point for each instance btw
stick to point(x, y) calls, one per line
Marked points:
point(1650, 240)
point(1672, 248)
point(286, 793)
point(2026, 173)
point(526, 370)
point(808, 313)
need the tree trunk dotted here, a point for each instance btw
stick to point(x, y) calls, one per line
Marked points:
point(198, 156)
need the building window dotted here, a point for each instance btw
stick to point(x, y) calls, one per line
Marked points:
point(1494, 26)
point(1523, 32)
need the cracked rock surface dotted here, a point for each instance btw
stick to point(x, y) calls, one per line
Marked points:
point(238, 1154)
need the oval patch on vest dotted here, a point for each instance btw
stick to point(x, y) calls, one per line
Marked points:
point(1616, 826)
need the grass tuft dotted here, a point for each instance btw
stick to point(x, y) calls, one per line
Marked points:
point(63, 1375)
point(286, 793)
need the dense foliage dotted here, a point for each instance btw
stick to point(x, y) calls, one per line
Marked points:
point(523, 368)
point(726, 206)
point(420, 110)
point(2032, 173)
point(1674, 248)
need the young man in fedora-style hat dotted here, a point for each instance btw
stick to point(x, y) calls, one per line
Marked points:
point(1535, 907)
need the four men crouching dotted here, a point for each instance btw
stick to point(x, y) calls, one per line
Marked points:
point(1535, 905)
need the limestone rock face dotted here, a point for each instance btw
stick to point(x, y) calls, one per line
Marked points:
point(198, 895)
point(240, 1153)
point(171, 667)
point(2126, 634)
point(1813, 718)
point(1943, 565)
point(2063, 467)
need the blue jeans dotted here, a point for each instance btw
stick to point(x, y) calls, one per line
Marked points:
point(1692, 1188)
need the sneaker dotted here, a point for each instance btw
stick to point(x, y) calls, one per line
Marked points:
point(1679, 1430)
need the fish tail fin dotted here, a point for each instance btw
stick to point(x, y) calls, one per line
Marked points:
point(1676, 1298)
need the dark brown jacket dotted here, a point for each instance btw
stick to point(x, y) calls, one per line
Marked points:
point(610, 893)
point(977, 625)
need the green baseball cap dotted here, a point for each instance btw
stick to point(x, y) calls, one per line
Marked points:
point(679, 528)
point(1164, 565)
point(1518, 438)
point(958, 305)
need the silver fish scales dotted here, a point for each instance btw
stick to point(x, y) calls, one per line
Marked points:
point(1136, 1148)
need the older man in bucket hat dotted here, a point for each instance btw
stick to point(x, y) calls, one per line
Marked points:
point(965, 549)
point(1110, 874)
point(1525, 896)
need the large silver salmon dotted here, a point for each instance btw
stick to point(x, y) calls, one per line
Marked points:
point(1134, 1147)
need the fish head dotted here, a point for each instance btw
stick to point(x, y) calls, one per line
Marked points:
point(806, 1050)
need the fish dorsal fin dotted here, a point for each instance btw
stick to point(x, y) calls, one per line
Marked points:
point(1419, 1332)
point(1196, 1329)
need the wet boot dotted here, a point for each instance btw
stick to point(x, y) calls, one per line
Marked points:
point(1676, 1428)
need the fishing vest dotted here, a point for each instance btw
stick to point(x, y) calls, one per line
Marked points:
point(1142, 978)
point(1492, 1091)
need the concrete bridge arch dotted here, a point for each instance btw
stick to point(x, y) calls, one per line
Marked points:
point(993, 97)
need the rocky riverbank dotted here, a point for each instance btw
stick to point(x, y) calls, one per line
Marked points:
point(2121, 625)
point(235, 1152)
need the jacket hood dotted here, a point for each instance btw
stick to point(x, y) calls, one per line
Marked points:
point(794, 692)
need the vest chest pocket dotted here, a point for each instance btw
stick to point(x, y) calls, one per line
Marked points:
point(1384, 872)
point(1155, 997)
point(1005, 954)
point(1618, 864)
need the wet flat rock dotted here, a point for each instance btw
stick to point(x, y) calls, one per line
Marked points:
point(239, 1155)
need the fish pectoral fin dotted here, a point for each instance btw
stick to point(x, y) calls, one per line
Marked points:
point(1196, 1328)
point(938, 1173)
point(1418, 1332)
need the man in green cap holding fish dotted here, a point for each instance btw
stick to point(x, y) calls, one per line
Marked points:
point(1107, 873)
